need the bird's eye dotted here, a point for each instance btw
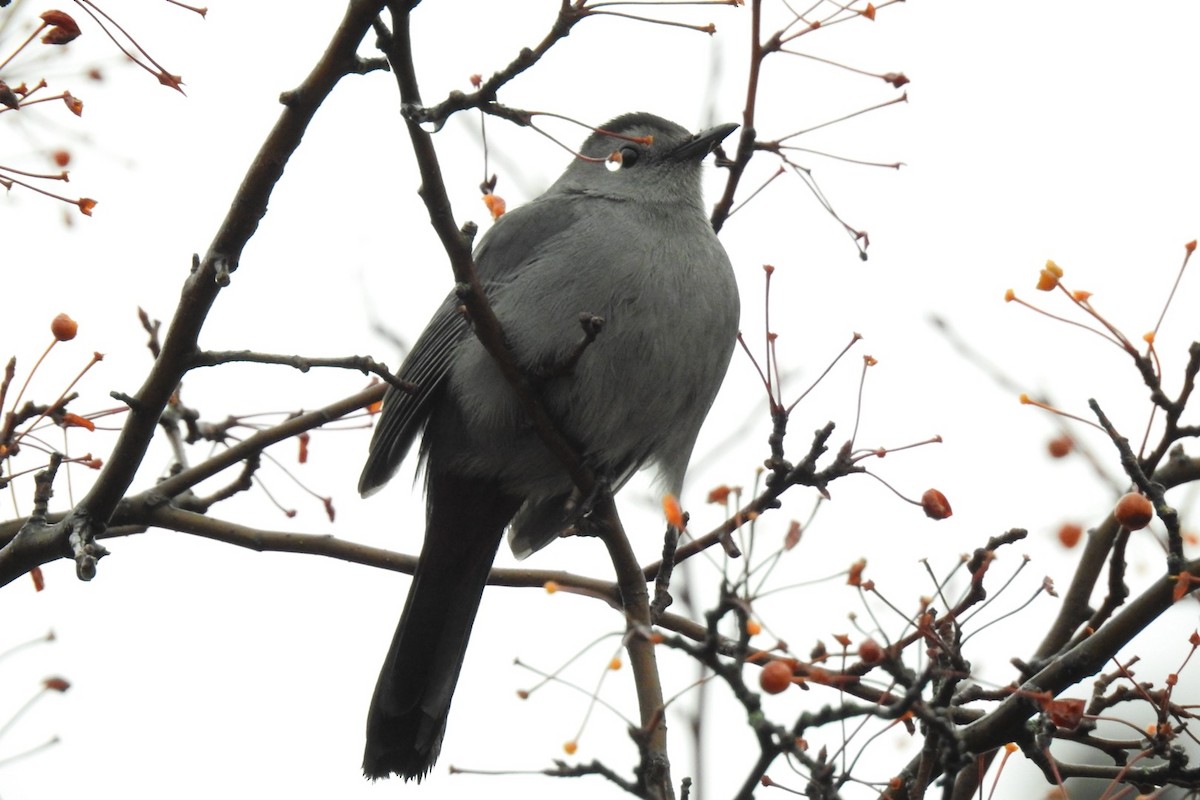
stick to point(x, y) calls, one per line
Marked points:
point(629, 156)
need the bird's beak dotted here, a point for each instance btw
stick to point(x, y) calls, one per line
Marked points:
point(703, 143)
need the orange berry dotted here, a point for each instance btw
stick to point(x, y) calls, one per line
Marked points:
point(753, 628)
point(64, 328)
point(870, 651)
point(1060, 446)
point(74, 420)
point(1048, 278)
point(73, 103)
point(1069, 534)
point(935, 504)
point(720, 494)
point(570, 747)
point(495, 204)
point(1134, 511)
point(854, 576)
point(775, 677)
point(673, 511)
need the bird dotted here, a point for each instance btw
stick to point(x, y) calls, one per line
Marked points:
point(622, 235)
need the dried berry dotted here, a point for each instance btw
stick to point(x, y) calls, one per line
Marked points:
point(870, 651)
point(935, 504)
point(775, 677)
point(1134, 511)
point(1069, 534)
point(64, 328)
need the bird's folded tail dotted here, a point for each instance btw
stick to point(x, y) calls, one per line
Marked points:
point(466, 520)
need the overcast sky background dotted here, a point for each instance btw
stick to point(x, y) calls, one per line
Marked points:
point(1033, 131)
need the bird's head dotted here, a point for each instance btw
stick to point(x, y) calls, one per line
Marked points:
point(643, 158)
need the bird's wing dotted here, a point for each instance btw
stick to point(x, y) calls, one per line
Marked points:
point(513, 243)
point(404, 413)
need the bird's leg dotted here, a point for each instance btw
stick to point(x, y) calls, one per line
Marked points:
point(585, 523)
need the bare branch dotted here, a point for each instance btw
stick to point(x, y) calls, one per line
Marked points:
point(363, 364)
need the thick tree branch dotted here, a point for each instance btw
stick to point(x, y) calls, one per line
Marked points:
point(1076, 602)
point(1084, 660)
point(200, 291)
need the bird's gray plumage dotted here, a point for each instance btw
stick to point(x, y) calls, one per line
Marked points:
point(633, 246)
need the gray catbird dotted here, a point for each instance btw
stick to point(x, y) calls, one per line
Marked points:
point(631, 245)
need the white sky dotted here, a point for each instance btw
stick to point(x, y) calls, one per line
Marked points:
point(1034, 131)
